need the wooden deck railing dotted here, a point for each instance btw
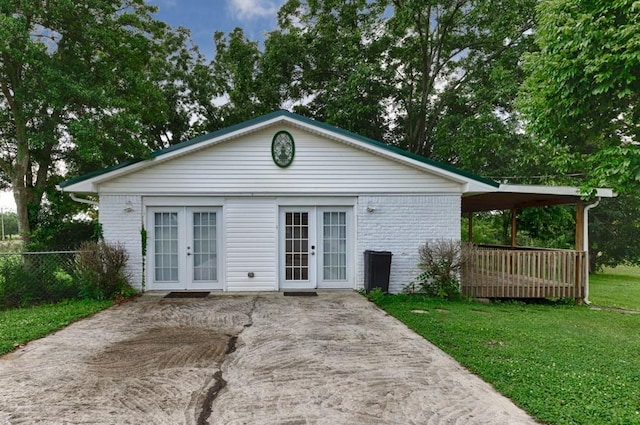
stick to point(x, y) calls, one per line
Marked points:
point(524, 273)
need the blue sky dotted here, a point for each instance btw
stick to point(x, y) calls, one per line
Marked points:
point(204, 17)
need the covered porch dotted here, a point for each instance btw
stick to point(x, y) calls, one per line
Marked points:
point(496, 271)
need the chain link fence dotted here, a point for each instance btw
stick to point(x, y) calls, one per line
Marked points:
point(28, 278)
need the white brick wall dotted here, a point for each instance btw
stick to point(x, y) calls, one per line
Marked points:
point(401, 224)
point(121, 218)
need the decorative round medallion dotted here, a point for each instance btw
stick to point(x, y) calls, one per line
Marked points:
point(282, 149)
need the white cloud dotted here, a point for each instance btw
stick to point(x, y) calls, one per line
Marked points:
point(251, 9)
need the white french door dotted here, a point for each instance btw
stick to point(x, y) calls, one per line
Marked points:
point(316, 247)
point(183, 248)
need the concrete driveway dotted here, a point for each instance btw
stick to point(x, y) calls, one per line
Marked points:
point(250, 359)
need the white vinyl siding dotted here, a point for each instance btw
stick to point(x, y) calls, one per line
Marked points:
point(250, 239)
point(245, 166)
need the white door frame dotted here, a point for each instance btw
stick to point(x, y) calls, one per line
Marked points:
point(304, 246)
point(185, 250)
point(316, 249)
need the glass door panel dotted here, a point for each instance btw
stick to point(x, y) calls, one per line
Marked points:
point(334, 245)
point(205, 258)
point(166, 261)
point(296, 246)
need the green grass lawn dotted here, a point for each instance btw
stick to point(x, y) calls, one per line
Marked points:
point(18, 326)
point(563, 364)
point(618, 287)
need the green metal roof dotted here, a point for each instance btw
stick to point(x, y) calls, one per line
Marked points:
point(295, 117)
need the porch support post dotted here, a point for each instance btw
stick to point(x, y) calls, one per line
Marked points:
point(470, 219)
point(514, 228)
point(585, 241)
point(580, 229)
point(580, 267)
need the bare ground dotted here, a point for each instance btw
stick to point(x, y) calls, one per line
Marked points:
point(251, 359)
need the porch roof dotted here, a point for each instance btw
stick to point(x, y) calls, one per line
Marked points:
point(509, 196)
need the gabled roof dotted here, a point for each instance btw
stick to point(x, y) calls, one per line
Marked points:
point(88, 182)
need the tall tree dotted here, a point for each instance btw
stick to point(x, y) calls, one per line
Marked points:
point(330, 55)
point(437, 78)
point(582, 97)
point(75, 83)
point(238, 82)
point(454, 55)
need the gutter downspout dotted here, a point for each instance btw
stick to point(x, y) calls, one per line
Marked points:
point(76, 199)
point(81, 200)
point(585, 246)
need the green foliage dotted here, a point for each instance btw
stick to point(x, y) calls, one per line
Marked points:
point(27, 279)
point(63, 235)
point(581, 96)
point(460, 66)
point(613, 231)
point(237, 74)
point(375, 295)
point(19, 326)
point(437, 78)
point(101, 270)
point(9, 223)
point(85, 83)
point(17, 287)
point(327, 55)
point(562, 364)
point(550, 227)
point(442, 262)
point(490, 228)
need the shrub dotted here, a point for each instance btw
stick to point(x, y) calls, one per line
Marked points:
point(33, 278)
point(441, 262)
point(16, 284)
point(61, 285)
point(100, 269)
point(375, 295)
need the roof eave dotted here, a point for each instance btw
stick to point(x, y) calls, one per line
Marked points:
point(555, 190)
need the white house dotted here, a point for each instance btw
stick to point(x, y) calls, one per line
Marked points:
point(278, 202)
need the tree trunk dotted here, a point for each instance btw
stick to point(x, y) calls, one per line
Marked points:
point(22, 209)
point(19, 177)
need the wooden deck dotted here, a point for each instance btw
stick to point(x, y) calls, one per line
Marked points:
point(524, 273)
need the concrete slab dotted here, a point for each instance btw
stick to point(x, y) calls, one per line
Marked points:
point(243, 359)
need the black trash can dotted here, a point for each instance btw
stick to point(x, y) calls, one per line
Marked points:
point(377, 267)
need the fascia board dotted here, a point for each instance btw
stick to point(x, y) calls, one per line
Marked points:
point(554, 190)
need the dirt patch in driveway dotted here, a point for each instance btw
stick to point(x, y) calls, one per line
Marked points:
point(160, 349)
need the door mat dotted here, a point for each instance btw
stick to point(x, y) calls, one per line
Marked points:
point(187, 295)
point(300, 294)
